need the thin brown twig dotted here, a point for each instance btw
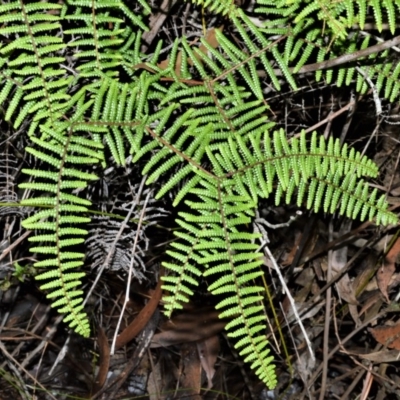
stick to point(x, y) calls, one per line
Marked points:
point(329, 118)
point(391, 308)
point(14, 244)
point(394, 173)
point(317, 297)
point(346, 58)
point(111, 251)
point(31, 335)
point(22, 368)
point(257, 53)
point(361, 371)
point(49, 335)
point(367, 384)
point(130, 273)
point(353, 384)
point(35, 328)
point(327, 319)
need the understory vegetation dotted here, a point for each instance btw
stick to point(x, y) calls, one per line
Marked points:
point(214, 180)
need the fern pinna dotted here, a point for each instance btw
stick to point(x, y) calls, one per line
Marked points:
point(76, 73)
point(60, 220)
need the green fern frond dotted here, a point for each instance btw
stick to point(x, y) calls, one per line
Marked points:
point(224, 251)
point(321, 166)
point(30, 28)
point(198, 115)
point(224, 7)
point(64, 212)
point(183, 267)
point(307, 34)
point(243, 171)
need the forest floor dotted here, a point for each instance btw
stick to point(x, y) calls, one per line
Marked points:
point(342, 275)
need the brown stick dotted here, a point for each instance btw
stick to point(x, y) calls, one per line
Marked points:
point(346, 58)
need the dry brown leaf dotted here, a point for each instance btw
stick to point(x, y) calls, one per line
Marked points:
point(373, 310)
point(389, 336)
point(305, 365)
point(104, 360)
point(191, 377)
point(163, 64)
point(157, 19)
point(189, 327)
point(178, 64)
point(138, 324)
point(371, 302)
point(211, 39)
point(373, 285)
point(290, 256)
point(385, 273)
point(155, 383)
point(383, 356)
point(345, 286)
point(339, 259)
point(208, 351)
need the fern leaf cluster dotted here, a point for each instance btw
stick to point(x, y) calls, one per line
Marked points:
point(214, 236)
point(60, 154)
point(197, 114)
point(306, 38)
point(30, 28)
